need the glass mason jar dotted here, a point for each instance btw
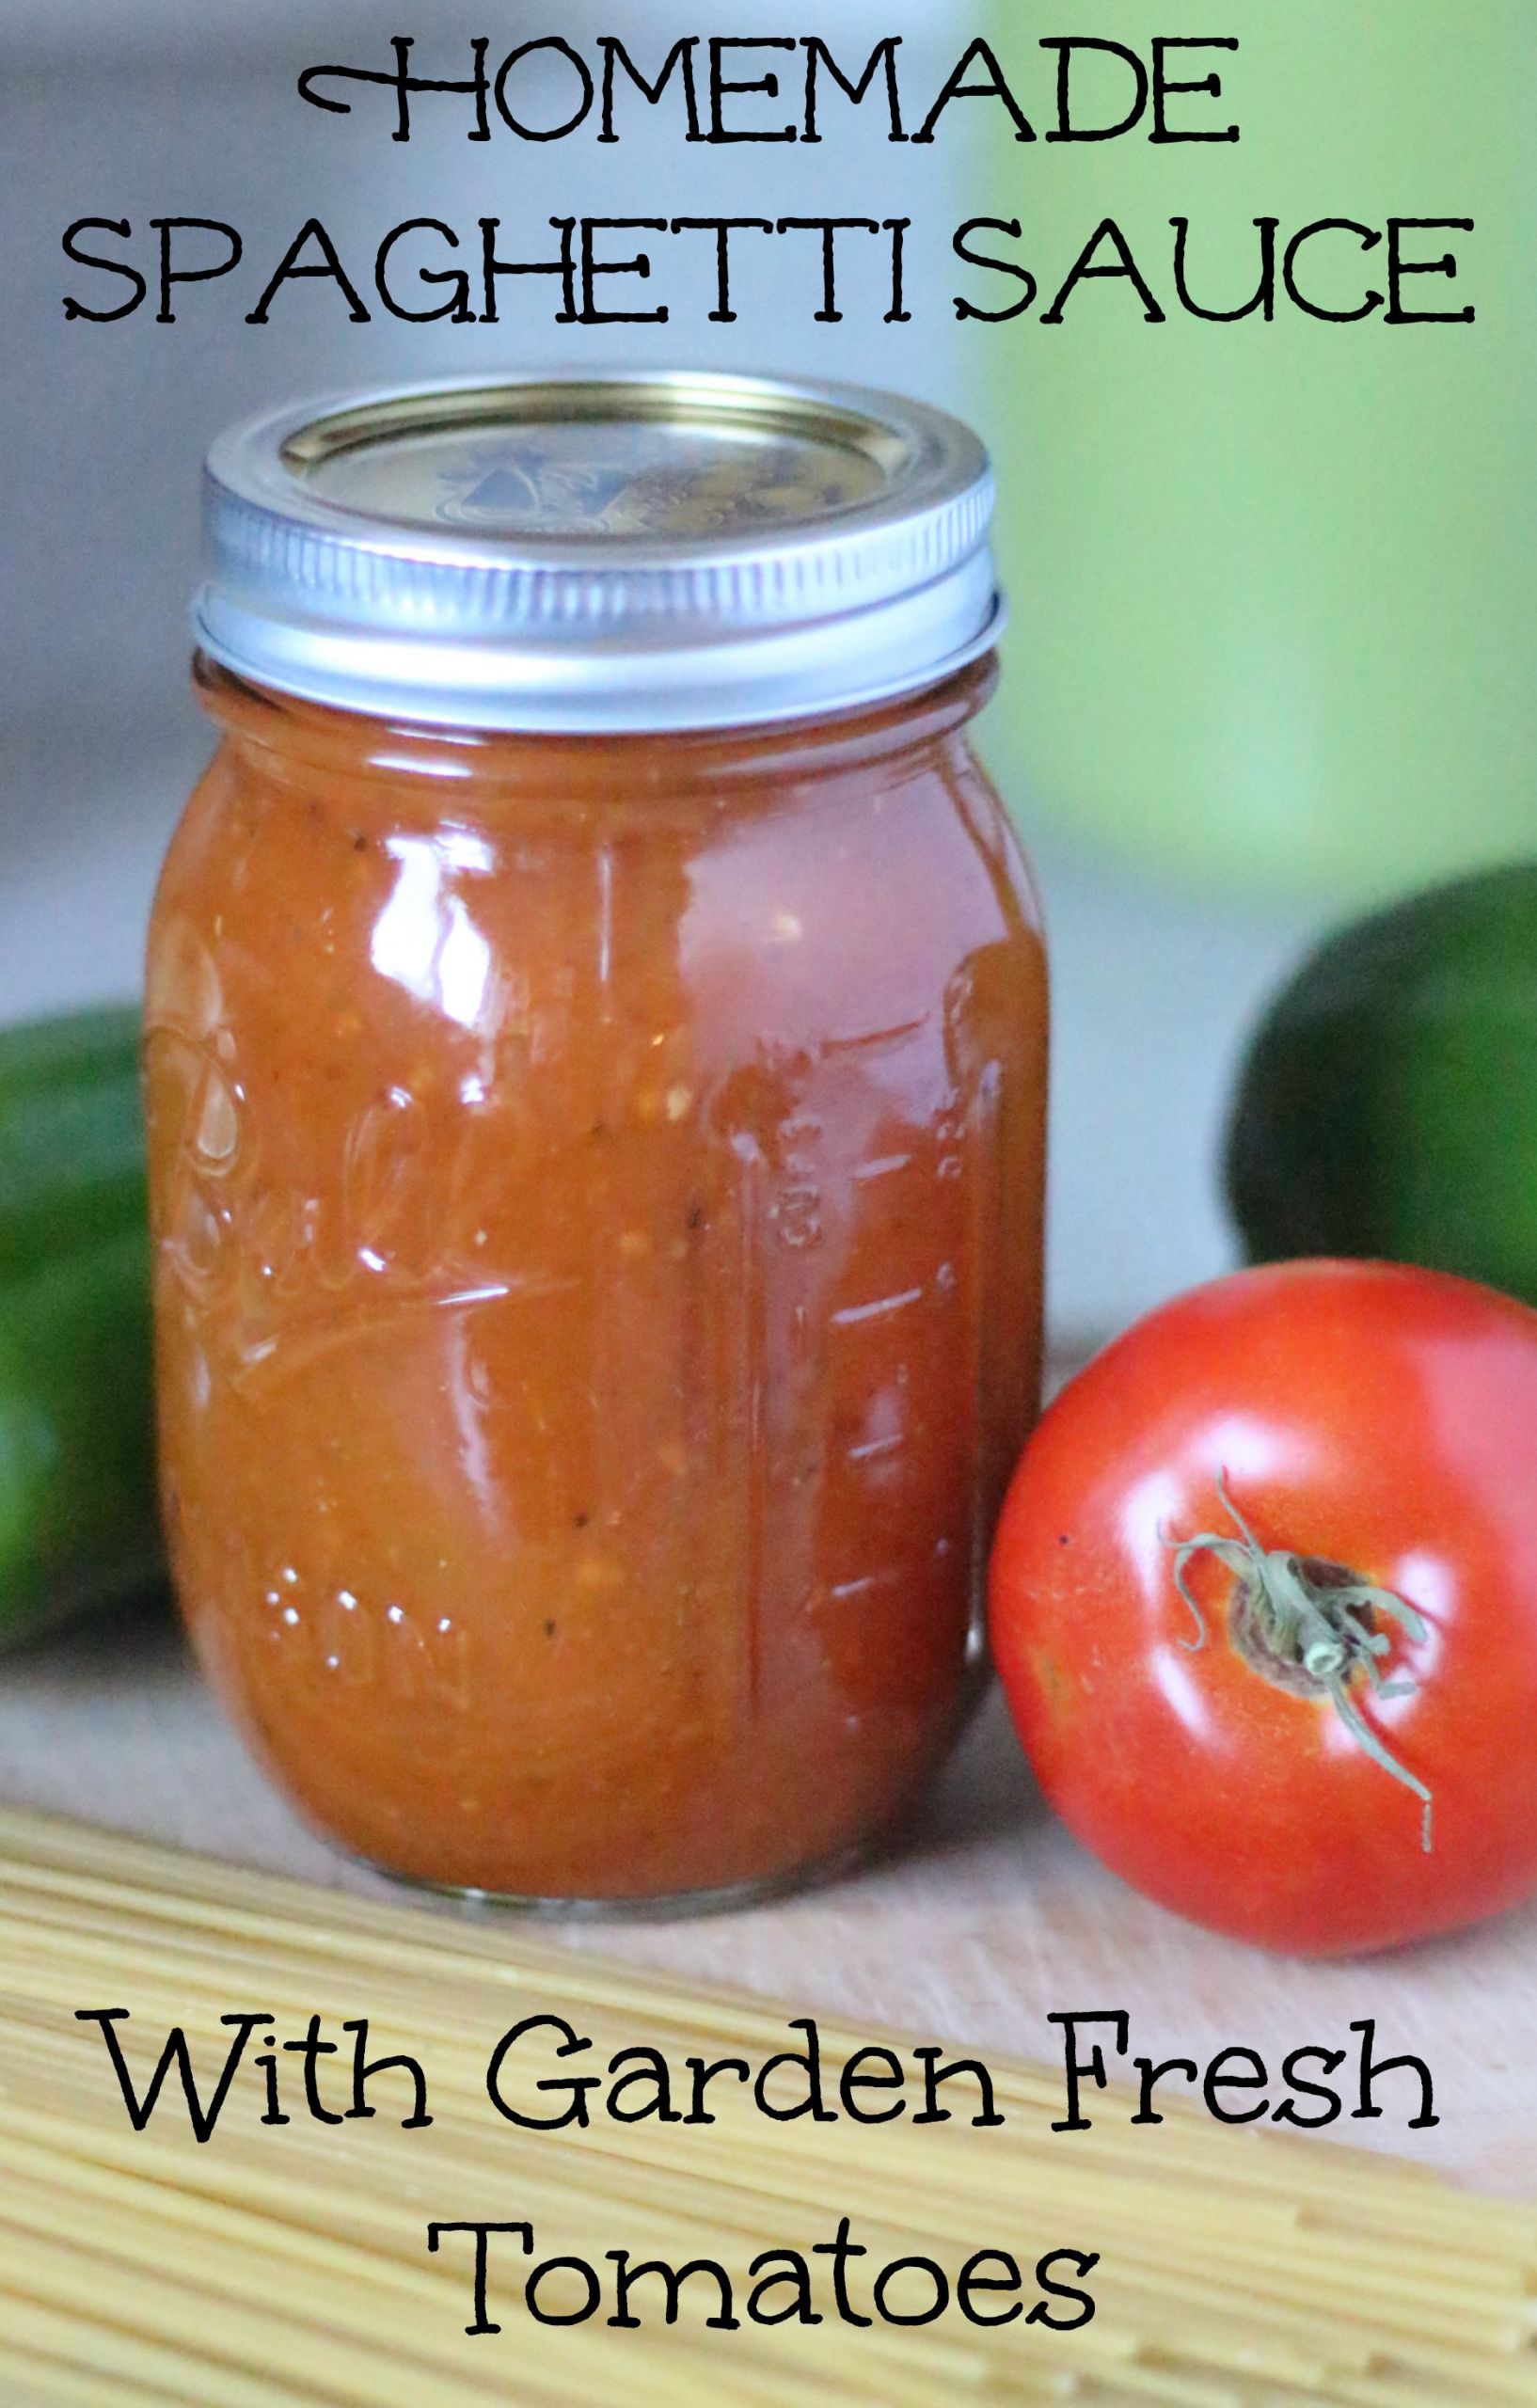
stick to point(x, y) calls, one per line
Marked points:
point(596, 1064)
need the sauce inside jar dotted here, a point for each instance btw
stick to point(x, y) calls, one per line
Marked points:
point(596, 1180)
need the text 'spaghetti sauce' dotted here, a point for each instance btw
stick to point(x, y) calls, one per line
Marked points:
point(596, 1048)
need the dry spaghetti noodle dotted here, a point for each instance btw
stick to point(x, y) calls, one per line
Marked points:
point(287, 2263)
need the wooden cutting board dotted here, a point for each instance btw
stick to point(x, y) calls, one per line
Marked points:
point(987, 1919)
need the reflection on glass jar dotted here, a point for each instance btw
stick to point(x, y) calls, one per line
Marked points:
point(597, 1187)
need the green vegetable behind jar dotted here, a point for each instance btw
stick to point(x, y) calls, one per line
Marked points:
point(78, 1526)
point(1389, 1103)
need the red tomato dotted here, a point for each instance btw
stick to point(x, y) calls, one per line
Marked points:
point(1228, 1750)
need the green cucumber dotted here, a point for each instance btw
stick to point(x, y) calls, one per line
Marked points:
point(78, 1524)
point(1388, 1106)
point(71, 1134)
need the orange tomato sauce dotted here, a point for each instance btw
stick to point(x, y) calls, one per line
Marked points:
point(596, 1186)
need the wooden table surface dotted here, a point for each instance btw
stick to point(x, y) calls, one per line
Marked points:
point(988, 1918)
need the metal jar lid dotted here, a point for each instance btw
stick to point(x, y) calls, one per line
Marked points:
point(620, 551)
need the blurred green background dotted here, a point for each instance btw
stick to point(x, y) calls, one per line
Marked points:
point(1274, 584)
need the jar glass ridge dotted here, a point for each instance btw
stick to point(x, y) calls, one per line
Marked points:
point(596, 1190)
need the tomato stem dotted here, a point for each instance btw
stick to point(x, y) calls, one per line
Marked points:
point(1313, 1619)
